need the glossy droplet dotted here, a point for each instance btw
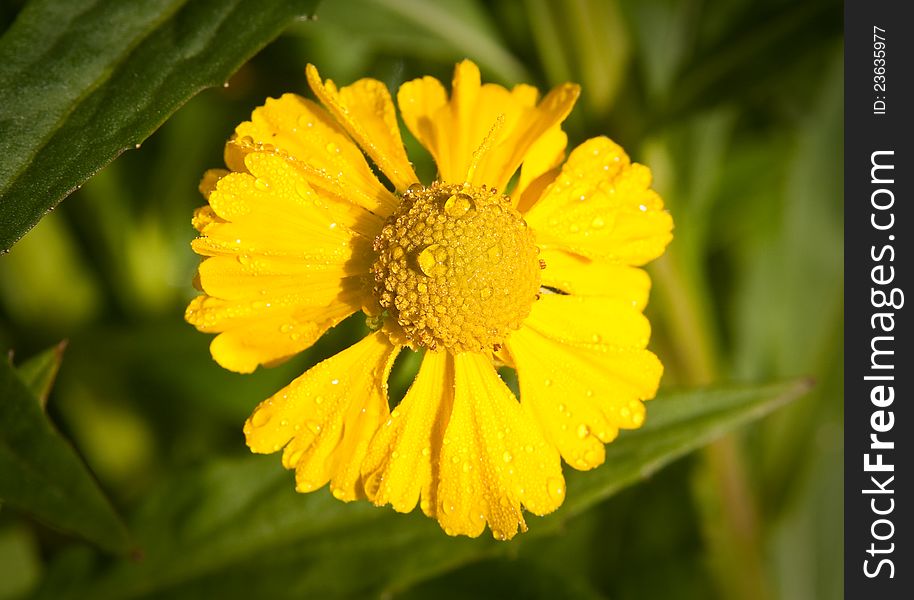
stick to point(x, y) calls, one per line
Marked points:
point(414, 188)
point(583, 431)
point(429, 261)
point(467, 467)
point(507, 457)
point(338, 493)
point(331, 147)
point(426, 451)
point(261, 184)
point(318, 399)
point(314, 426)
point(597, 222)
point(260, 418)
point(295, 457)
point(458, 205)
point(555, 487)
point(547, 383)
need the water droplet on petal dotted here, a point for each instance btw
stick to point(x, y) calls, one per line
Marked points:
point(597, 222)
point(555, 487)
point(583, 431)
point(507, 457)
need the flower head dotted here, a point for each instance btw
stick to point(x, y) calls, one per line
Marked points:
point(540, 275)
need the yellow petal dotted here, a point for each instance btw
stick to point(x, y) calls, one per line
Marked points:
point(263, 332)
point(303, 130)
point(584, 277)
point(589, 321)
point(484, 132)
point(503, 159)
point(284, 266)
point(209, 181)
point(419, 101)
point(601, 207)
point(273, 210)
point(319, 417)
point(366, 111)
point(539, 168)
point(581, 395)
point(494, 458)
point(399, 466)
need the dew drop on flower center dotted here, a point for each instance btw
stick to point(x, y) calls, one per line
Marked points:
point(456, 267)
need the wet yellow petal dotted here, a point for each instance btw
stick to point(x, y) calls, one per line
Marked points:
point(272, 208)
point(582, 394)
point(209, 181)
point(503, 159)
point(584, 277)
point(319, 417)
point(262, 332)
point(589, 321)
point(484, 132)
point(402, 461)
point(494, 460)
point(366, 111)
point(601, 207)
point(301, 129)
point(269, 295)
point(539, 168)
point(419, 101)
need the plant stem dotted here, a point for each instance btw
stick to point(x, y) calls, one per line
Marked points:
point(737, 550)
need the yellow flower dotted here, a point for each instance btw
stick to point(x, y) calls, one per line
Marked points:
point(300, 234)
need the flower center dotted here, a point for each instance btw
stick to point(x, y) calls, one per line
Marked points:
point(457, 267)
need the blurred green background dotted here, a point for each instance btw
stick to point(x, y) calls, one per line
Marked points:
point(737, 108)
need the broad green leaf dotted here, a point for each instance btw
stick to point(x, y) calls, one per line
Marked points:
point(237, 525)
point(38, 373)
point(83, 80)
point(41, 474)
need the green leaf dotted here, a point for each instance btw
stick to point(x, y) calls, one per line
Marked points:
point(83, 80)
point(238, 525)
point(38, 373)
point(41, 474)
point(677, 424)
